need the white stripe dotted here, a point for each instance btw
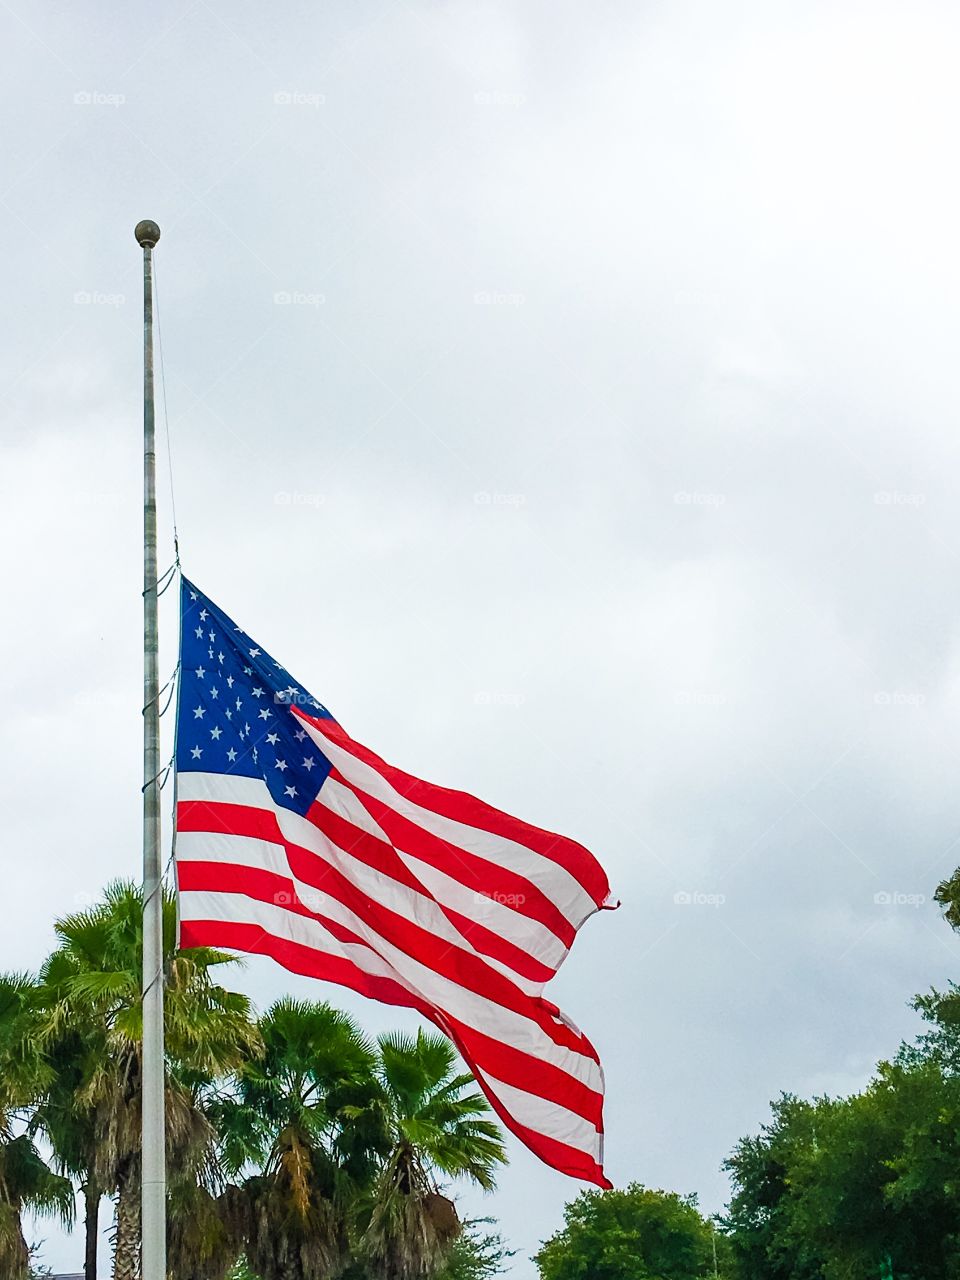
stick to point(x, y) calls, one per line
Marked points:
point(553, 880)
point(527, 934)
point(382, 958)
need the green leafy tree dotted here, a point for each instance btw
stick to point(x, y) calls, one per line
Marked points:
point(70, 1128)
point(438, 1124)
point(764, 1242)
point(301, 1134)
point(92, 983)
point(857, 1186)
point(633, 1234)
point(26, 1180)
point(478, 1253)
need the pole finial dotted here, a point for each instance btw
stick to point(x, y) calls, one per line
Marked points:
point(147, 233)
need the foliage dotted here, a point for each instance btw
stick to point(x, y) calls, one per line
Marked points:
point(869, 1185)
point(478, 1253)
point(633, 1234)
point(26, 1181)
point(90, 990)
point(305, 1115)
point(436, 1122)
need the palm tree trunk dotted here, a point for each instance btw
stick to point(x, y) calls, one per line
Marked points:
point(91, 1212)
point(126, 1243)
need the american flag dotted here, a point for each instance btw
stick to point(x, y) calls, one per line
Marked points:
point(294, 841)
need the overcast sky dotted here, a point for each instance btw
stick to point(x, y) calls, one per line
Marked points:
point(566, 393)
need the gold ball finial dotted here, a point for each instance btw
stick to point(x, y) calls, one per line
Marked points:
point(147, 233)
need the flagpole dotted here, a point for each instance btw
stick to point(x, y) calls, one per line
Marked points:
point(153, 1155)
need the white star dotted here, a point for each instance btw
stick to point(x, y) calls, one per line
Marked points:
point(220, 657)
point(290, 791)
point(210, 652)
point(231, 755)
point(308, 763)
point(265, 714)
point(273, 739)
point(280, 764)
point(200, 673)
point(203, 615)
point(229, 714)
point(246, 728)
point(315, 704)
point(199, 633)
point(257, 692)
point(248, 671)
point(198, 713)
point(254, 653)
point(299, 735)
point(238, 704)
point(215, 733)
point(196, 752)
point(229, 682)
point(193, 595)
point(278, 666)
point(213, 636)
point(255, 758)
point(214, 693)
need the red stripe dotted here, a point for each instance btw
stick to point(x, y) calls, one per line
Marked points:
point(301, 959)
point(446, 960)
point(228, 819)
point(475, 873)
point(462, 807)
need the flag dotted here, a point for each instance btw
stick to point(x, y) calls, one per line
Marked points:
point(296, 842)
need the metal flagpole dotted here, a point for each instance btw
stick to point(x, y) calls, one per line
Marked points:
point(153, 1242)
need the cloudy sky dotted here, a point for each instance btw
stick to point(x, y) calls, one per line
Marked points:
point(566, 394)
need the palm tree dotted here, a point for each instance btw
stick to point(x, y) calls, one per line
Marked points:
point(436, 1128)
point(307, 1117)
point(70, 1128)
point(93, 982)
point(26, 1181)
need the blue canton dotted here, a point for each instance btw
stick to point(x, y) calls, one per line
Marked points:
point(234, 708)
